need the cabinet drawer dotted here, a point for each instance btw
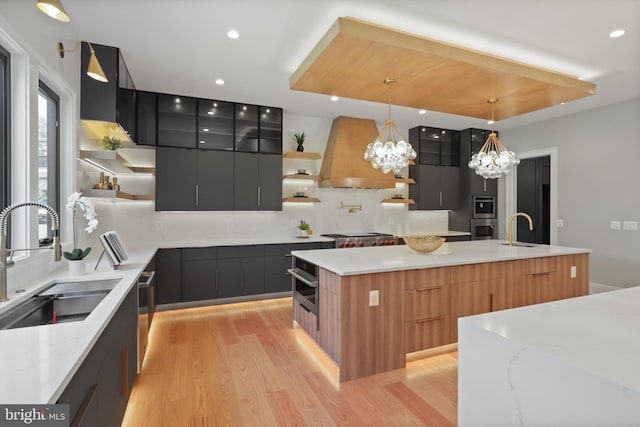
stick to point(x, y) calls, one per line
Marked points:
point(541, 265)
point(427, 278)
point(241, 251)
point(426, 303)
point(196, 254)
point(307, 320)
point(424, 334)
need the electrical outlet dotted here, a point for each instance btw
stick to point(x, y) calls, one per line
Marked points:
point(630, 225)
point(614, 225)
point(559, 223)
point(374, 298)
point(574, 272)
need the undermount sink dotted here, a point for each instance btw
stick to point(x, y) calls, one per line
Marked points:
point(61, 302)
point(522, 245)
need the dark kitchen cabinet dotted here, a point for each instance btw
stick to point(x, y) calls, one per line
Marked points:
point(257, 182)
point(437, 171)
point(192, 180)
point(199, 274)
point(98, 393)
point(270, 130)
point(146, 123)
point(240, 270)
point(177, 117)
point(246, 128)
point(277, 259)
point(112, 101)
point(169, 276)
point(215, 125)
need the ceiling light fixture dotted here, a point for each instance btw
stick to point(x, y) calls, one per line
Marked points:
point(422, 112)
point(494, 159)
point(94, 70)
point(389, 151)
point(233, 34)
point(219, 82)
point(54, 9)
point(334, 98)
point(616, 33)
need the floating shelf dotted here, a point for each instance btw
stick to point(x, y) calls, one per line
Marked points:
point(302, 176)
point(301, 155)
point(401, 201)
point(113, 194)
point(112, 162)
point(301, 199)
point(406, 180)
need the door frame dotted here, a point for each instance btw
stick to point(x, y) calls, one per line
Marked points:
point(511, 191)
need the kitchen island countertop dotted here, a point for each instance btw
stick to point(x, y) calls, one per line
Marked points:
point(347, 262)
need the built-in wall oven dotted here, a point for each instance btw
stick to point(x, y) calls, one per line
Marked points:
point(484, 228)
point(484, 207)
point(304, 276)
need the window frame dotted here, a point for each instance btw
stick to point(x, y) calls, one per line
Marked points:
point(5, 126)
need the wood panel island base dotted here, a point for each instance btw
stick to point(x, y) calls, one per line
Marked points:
point(376, 304)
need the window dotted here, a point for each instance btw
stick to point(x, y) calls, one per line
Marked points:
point(5, 109)
point(48, 159)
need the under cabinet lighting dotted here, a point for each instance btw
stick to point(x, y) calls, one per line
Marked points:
point(211, 113)
point(205, 129)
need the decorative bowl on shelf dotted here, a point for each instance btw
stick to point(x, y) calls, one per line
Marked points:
point(426, 243)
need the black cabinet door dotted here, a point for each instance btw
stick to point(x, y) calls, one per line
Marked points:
point(146, 106)
point(252, 275)
point(215, 125)
point(449, 148)
point(176, 121)
point(428, 184)
point(270, 130)
point(169, 276)
point(246, 179)
point(429, 146)
point(215, 180)
point(270, 183)
point(175, 179)
point(229, 277)
point(199, 279)
point(246, 128)
point(449, 187)
point(127, 111)
point(98, 100)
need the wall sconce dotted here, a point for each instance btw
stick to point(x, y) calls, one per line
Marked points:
point(94, 70)
point(54, 9)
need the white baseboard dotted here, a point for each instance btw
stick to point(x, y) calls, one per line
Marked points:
point(596, 288)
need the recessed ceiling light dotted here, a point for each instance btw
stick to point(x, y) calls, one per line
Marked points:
point(562, 103)
point(422, 112)
point(219, 82)
point(616, 33)
point(233, 34)
point(334, 98)
point(490, 122)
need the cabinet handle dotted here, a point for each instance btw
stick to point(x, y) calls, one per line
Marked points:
point(441, 199)
point(217, 280)
point(484, 184)
point(490, 302)
point(258, 195)
point(197, 194)
point(82, 411)
point(429, 319)
point(427, 289)
point(125, 372)
point(242, 280)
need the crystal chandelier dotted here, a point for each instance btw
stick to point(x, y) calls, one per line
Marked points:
point(494, 159)
point(389, 151)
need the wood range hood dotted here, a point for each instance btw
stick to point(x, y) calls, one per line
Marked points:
point(343, 164)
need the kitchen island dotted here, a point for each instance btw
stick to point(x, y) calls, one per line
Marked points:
point(377, 304)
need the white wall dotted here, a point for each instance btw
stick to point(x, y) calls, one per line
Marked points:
point(598, 181)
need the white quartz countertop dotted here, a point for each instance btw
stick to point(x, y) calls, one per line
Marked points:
point(241, 240)
point(597, 333)
point(351, 261)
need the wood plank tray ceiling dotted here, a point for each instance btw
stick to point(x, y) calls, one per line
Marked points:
point(354, 57)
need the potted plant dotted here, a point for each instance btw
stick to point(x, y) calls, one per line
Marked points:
point(300, 140)
point(77, 255)
point(110, 143)
point(304, 228)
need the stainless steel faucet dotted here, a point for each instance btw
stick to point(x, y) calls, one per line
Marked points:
point(514, 216)
point(6, 263)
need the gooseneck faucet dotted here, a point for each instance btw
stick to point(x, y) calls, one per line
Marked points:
point(514, 216)
point(4, 263)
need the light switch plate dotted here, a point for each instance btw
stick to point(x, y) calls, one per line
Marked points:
point(614, 225)
point(374, 298)
point(574, 272)
point(559, 223)
point(630, 225)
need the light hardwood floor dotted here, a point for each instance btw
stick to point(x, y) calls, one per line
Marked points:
point(244, 365)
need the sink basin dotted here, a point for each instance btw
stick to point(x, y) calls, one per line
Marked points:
point(60, 303)
point(522, 245)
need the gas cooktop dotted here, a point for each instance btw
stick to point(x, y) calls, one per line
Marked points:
point(352, 235)
point(352, 240)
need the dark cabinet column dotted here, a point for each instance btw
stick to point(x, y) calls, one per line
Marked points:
point(199, 279)
point(428, 183)
point(175, 179)
point(246, 179)
point(449, 187)
point(215, 180)
point(169, 276)
point(229, 276)
point(146, 110)
point(270, 182)
point(252, 275)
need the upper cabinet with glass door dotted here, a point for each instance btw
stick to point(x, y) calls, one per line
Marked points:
point(247, 128)
point(176, 121)
point(215, 125)
point(271, 130)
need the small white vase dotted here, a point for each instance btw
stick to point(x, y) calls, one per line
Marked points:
point(77, 267)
